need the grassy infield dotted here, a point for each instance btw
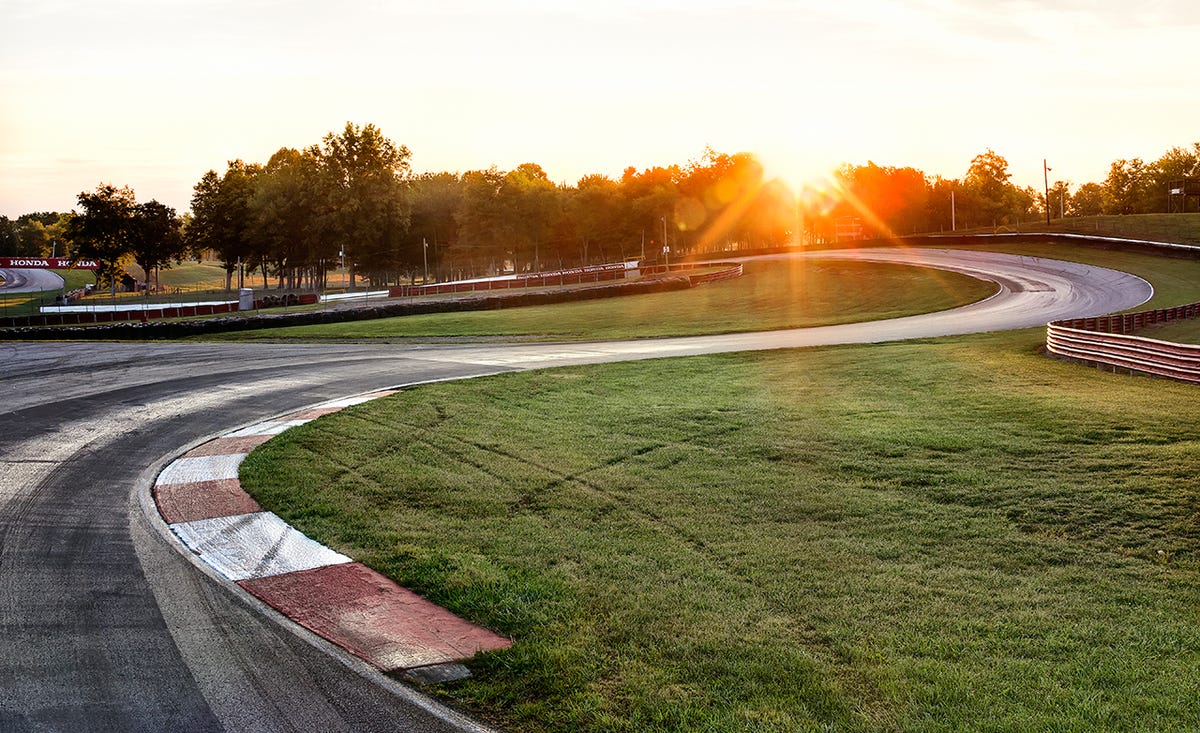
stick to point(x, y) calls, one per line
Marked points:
point(948, 534)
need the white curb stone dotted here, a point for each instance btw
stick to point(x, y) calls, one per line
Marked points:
point(201, 468)
point(254, 546)
point(271, 427)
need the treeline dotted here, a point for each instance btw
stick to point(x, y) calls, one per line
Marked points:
point(353, 201)
point(898, 201)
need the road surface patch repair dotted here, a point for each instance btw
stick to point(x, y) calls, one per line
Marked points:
point(199, 497)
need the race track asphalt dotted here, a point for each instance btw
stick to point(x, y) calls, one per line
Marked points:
point(104, 625)
point(29, 280)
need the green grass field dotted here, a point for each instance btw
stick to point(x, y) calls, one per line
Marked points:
point(948, 534)
point(954, 534)
point(1181, 332)
point(1176, 228)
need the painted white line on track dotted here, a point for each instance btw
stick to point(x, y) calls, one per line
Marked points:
point(254, 546)
point(271, 427)
point(347, 402)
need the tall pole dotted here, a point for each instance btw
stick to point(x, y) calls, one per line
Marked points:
point(425, 259)
point(1046, 180)
point(666, 249)
point(953, 224)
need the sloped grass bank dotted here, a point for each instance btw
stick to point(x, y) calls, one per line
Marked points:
point(954, 534)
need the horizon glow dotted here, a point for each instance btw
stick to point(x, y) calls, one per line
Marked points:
point(152, 94)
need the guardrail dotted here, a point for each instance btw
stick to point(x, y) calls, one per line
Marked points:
point(575, 276)
point(1107, 340)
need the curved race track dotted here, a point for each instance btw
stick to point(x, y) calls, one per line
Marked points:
point(29, 281)
point(105, 626)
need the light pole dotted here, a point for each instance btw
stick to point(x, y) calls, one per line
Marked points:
point(666, 250)
point(1046, 181)
point(425, 259)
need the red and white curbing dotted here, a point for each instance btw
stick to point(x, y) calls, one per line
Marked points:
point(345, 602)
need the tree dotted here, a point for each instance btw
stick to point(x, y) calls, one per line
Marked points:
point(1124, 187)
point(1060, 194)
point(435, 199)
point(889, 200)
point(8, 237)
point(991, 195)
point(221, 215)
point(529, 203)
point(286, 218)
point(480, 224)
point(155, 237)
point(1175, 164)
point(651, 195)
point(1087, 201)
point(102, 230)
point(598, 219)
point(365, 178)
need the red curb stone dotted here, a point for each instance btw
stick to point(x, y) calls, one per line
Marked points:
point(203, 500)
point(370, 616)
point(227, 446)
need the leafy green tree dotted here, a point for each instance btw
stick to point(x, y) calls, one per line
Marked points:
point(102, 230)
point(1175, 164)
point(42, 234)
point(598, 217)
point(9, 242)
point(155, 237)
point(1087, 201)
point(481, 234)
point(432, 228)
point(1124, 189)
point(286, 219)
point(529, 205)
point(1060, 194)
point(222, 216)
point(652, 196)
point(889, 200)
point(365, 179)
point(991, 195)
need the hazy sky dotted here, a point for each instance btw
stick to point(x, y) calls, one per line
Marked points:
point(152, 93)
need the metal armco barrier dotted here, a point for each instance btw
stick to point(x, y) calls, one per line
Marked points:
point(86, 317)
point(577, 276)
point(1107, 340)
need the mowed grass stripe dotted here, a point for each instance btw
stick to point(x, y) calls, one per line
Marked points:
point(947, 534)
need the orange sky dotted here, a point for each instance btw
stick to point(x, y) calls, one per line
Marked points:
point(152, 93)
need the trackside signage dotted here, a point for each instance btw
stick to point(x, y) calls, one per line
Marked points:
point(48, 263)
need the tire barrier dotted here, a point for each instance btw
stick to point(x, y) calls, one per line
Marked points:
point(1108, 340)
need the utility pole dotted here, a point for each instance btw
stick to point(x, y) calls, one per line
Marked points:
point(953, 224)
point(666, 249)
point(425, 259)
point(1046, 181)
